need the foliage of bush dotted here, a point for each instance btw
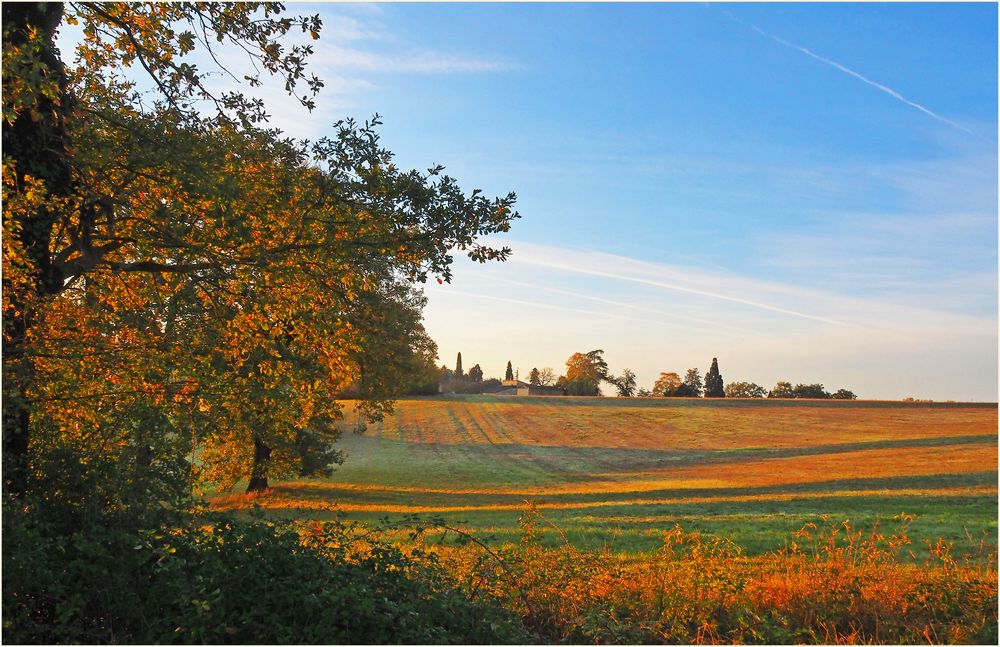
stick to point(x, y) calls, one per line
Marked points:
point(220, 581)
point(107, 578)
point(461, 385)
point(833, 584)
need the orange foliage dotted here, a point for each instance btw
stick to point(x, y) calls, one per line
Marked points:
point(840, 586)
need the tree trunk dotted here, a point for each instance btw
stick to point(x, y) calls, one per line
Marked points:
point(37, 147)
point(15, 409)
point(258, 473)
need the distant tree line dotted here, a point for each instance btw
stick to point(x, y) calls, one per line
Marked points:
point(457, 381)
point(671, 385)
point(585, 372)
point(815, 391)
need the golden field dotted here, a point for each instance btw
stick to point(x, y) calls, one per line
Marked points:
point(614, 470)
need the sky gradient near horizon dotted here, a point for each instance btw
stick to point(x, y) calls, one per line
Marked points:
point(806, 192)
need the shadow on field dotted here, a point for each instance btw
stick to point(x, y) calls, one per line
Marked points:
point(660, 403)
point(572, 462)
point(332, 493)
point(634, 459)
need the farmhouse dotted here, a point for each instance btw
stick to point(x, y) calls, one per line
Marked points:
point(517, 387)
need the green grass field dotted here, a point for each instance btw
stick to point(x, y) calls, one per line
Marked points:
point(610, 472)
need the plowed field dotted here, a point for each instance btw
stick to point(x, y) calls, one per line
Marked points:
point(618, 472)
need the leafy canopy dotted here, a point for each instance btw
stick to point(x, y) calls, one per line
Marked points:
point(667, 384)
point(182, 278)
point(584, 373)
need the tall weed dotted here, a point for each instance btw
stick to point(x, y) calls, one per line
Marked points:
point(832, 583)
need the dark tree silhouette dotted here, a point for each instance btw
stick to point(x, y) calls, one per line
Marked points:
point(625, 383)
point(692, 383)
point(714, 387)
point(811, 391)
point(509, 375)
point(458, 366)
point(745, 390)
point(782, 390)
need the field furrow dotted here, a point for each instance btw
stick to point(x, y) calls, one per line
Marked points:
point(629, 468)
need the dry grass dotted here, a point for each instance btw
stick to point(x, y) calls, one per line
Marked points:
point(667, 424)
point(771, 496)
point(834, 583)
point(745, 470)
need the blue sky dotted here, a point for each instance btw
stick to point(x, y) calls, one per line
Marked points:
point(807, 192)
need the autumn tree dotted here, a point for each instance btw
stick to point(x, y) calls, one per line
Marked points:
point(781, 389)
point(745, 390)
point(714, 387)
point(667, 384)
point(811, 391)
point(76, 139)
point(533, 378)
point(178, 277)
point(584, 373)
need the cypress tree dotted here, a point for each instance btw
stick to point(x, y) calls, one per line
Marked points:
point(458, 366)
point(510, 372)
point(714, 387)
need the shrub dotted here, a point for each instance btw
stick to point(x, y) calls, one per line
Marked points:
point(222, 581)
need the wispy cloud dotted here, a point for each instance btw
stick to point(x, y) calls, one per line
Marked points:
point(366, 8)
point(352, 54)
point(340, 28)
point(715, 292)
point(535, 309)
point(846, 70)
point(589, 267)
point(414, 61)
point(660, 313)
point(596, 315)
point(524, 302)
point(366, 45)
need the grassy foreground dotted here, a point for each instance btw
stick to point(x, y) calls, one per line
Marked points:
point(617, 473)
point(834, 584)
point(679, 521)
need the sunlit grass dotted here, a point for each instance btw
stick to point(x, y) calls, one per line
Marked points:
point(831, 581)
point(613, 470)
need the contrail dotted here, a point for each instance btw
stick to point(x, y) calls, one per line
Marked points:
point(679, 288)
point(892, 93)
point(592, 313)
point(547, 306)
point(622, 304)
